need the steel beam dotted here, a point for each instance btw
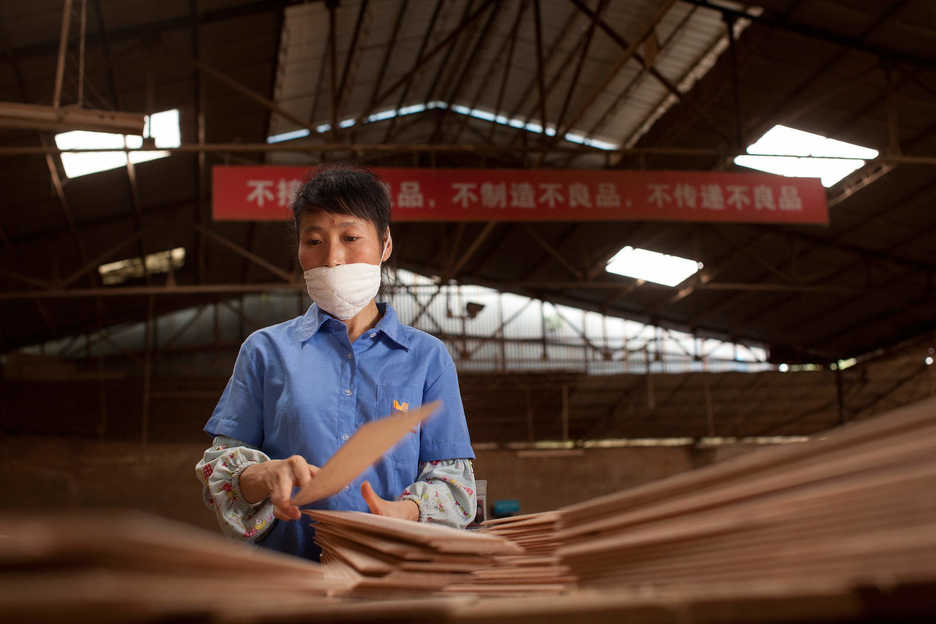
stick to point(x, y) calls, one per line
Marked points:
point(234, 148)
point(253, 95)
point(137, 291)
point(272, 268)
point(362, 11)
point(663, 80)
point(541, 88)
point(26, 279)
point(883, 257)
point(96, 262)
point(332, 6)
point(423, 59)
point(440, 73)
point(577, 273)
point(391, 47)
point(378, 97)
point(812, 32)
point(502, 59)
point(135, 31)
point(198, 163)
point(320, 80)
point(522, 133)
point(467, 67)
point(472, 248)
point(63, 48)
point(612, 75)
point(185, 327)
point(570, 92)
point(538, 266)
point(424, 307)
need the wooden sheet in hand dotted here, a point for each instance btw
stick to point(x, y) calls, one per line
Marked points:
point(364, 448)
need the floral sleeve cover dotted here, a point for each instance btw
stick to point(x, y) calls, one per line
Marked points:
point(444, 491)
point(219, 472)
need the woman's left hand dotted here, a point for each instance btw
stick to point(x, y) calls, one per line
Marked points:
point(405, 509)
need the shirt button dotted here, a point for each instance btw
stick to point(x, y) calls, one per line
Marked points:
point(347, 391)
point(344, 437)
point(349, 356)
point(373, 335)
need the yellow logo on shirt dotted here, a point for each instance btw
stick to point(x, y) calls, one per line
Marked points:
point(400, 407)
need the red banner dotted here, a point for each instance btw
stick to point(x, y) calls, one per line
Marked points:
point(265, 194)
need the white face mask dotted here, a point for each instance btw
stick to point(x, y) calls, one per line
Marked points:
point(343, 290)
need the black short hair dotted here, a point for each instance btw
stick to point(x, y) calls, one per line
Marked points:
point(345, 189)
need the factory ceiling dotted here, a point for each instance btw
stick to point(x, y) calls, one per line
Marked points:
point(675, 85)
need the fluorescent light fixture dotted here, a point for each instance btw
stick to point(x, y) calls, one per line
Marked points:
point(288, 136)
point(801, 145)
point(131, 268)
point(163, 127)
point(652, 266)
point(346, 123)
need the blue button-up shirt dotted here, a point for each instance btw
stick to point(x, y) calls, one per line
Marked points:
point(302, 388)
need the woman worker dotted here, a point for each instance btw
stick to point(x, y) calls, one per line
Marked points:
point(301, 388)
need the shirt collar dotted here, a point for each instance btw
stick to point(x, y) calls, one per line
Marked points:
point(389, 325)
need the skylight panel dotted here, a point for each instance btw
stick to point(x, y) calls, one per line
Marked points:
point(652, 266)
point(131, 268)
point(163, 127)
point(288, 136)
point(380, 116)
point(801, 145)
point(482, 114)
point(414, 108)
point(477, 113)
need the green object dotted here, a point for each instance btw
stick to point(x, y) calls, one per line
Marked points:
point(505, 508)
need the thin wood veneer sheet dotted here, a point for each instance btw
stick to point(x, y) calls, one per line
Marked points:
point(133, 540)
point(364, 448)
point(403, 554)
point(441, 538)
point(910, 418)
point(544, 517)
point(766, 485)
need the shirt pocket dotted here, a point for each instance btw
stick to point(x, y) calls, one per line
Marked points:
point(394, 399)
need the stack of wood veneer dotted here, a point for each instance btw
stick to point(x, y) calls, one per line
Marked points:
point(376, 555)
point(126, 566)
point(855, 507)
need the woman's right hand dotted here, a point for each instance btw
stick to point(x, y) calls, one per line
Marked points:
point(276, 479)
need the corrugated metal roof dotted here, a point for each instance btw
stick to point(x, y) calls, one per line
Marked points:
point(686, 37)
